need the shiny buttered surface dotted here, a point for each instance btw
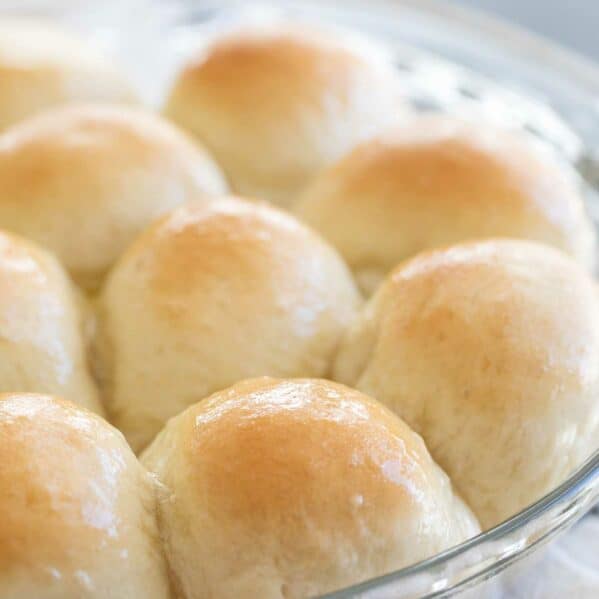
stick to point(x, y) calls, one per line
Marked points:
point(78, 510)
point(276, 105)
point(436, 181)
point(211, 295)
point(490, 351)
point(84, 180)
point(133, 285)
point(288, 489)
point(42, 66)
point(43, 325)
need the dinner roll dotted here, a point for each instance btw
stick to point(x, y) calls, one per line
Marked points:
point(84, 180)
point(43, 66)
point(42, 345)
point(438, 181)
point(78, 510)
point(277, 104)
point(211, 295)
point(490, 351)
point(282, 489)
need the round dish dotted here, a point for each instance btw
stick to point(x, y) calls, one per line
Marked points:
point(452, 61)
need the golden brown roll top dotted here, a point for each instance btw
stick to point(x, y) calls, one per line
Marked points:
point(275, 105)
point(84, 180)
point(42, 66)
point(438, 181)
point(211, 295)
point(42, 326)
point(292, 488)
point(490, 351)
point(78, 512)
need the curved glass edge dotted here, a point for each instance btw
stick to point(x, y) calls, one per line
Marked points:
point(490, 47)
point(523, 62)
point(477, 24)
point(485, 555)
point(516, 38)
point(526, 65)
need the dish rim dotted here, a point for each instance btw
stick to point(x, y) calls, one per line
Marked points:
point(561, 507)
point(581, 489)
point(583, 485)
point(569, 501)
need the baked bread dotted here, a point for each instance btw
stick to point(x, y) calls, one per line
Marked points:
point(84, 180)
point(293, 488)
point(211, 295)
point(78, 510)
point(42, 66)
point(489, 350)
point(436, 181)
point(42, 326)
point(276, 104)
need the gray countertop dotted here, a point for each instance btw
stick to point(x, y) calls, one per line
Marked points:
point(574, 23)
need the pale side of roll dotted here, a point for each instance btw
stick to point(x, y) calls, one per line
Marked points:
point(43, 66)
point(489, 350)
point(211, 295)
point(435, 181)
point(276, 104)
point(78, 510)
point(42, 326)
point(84, 180)
point(285, 489)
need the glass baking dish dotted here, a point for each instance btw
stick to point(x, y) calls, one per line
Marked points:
point(450, 60)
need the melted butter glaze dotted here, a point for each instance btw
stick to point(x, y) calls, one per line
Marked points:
point(74, 503)
point(309, 481)
point(42, 347)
